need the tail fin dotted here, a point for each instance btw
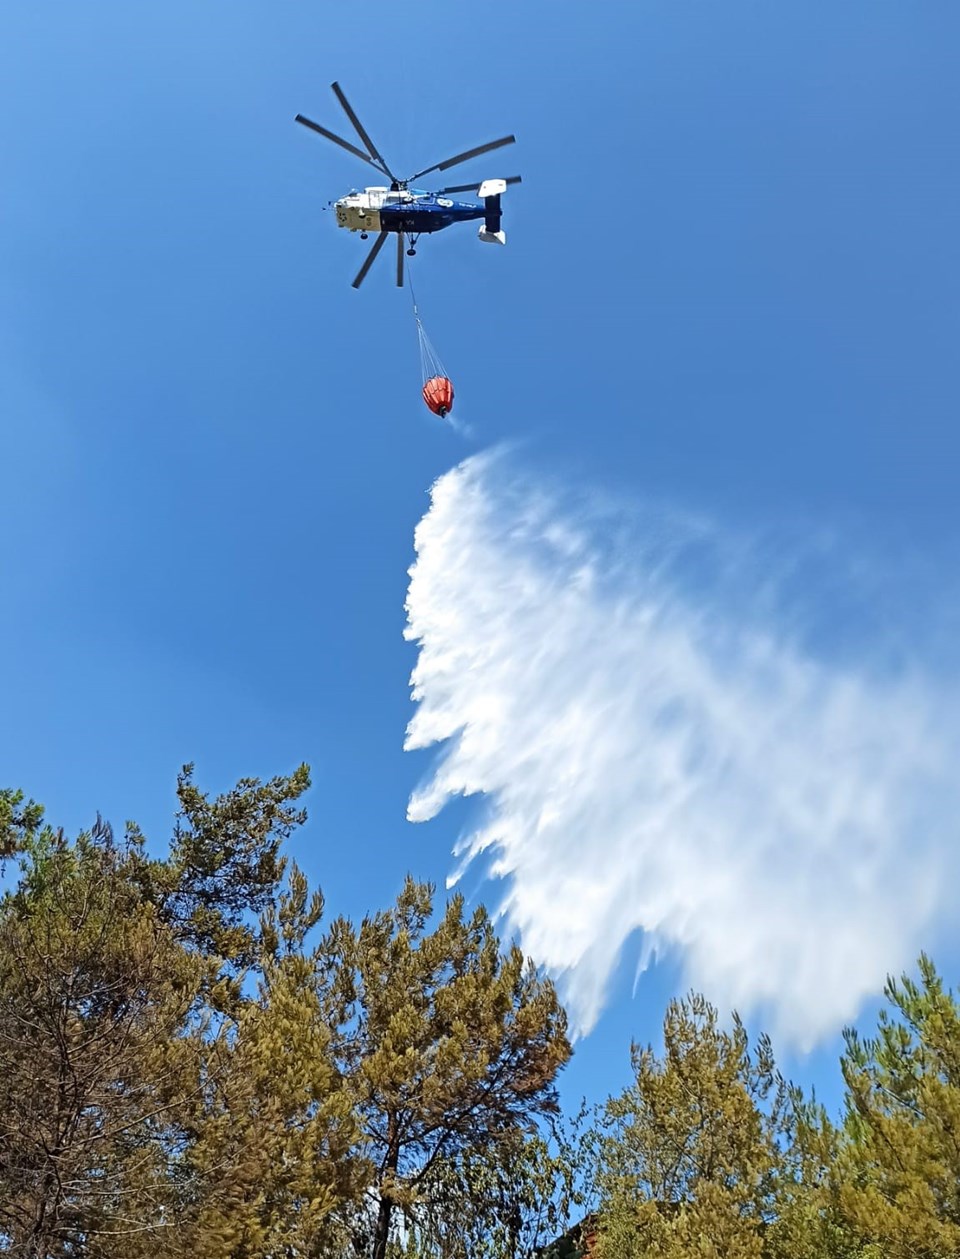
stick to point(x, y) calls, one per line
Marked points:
point(490, 191)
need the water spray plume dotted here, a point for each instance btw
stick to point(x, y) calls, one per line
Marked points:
point(655, 752)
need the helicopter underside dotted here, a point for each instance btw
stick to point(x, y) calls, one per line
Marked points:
point(373, 211)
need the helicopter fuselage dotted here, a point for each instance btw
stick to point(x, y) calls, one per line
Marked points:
point(403, 211)
point(413, 213)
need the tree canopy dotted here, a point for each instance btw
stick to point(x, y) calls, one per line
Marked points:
point(450, 1048)
point(195, 1064)
point(192, 1065)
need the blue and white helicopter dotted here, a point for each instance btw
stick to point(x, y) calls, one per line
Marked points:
point(405, 210)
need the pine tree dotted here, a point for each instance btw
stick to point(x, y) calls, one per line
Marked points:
point(167, 1082)
point(276, 1149)
point(899, 1179)
point(98, 1059)
point(450, 1048)
point(689, 1152)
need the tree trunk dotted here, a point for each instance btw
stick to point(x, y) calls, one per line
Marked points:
point(390, 1163)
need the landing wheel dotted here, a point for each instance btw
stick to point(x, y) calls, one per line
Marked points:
point(411, 252)
point(363, 235)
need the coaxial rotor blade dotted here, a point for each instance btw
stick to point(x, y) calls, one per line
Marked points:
point(399, 260)
point(368, 263)
point(344, 144)
point(463, 157)
point(440, 192)
point(358, 127)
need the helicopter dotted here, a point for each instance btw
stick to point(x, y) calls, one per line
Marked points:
point(408, 211)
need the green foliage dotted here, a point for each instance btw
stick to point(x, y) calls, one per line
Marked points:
point(450, 1049)
point(19, 822)
point(148, 1103)
point(708, 1153)
point(192, 1068)
point(899, 1179)
point(689, 1152)
point(505, 1201)
point(224, 863)
point(97, 1058)
point(278, 1140)
point(806, 1223)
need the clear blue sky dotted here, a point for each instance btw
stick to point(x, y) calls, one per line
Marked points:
point(731, 284)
